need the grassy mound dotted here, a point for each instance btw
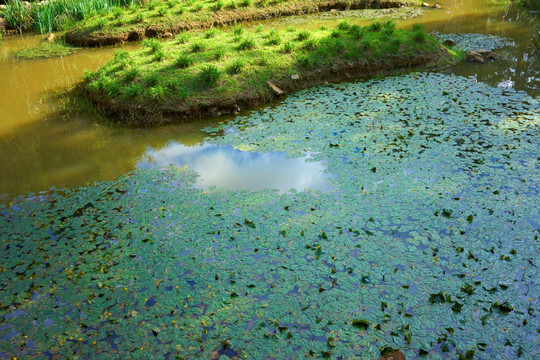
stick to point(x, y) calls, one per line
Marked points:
point(217, 72)
point(159, 18)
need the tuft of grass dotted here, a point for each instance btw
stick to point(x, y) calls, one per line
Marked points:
point(219, 53)
point(246, 44)
point(183, 61)
point(197, 47)
point(356, 31)
point(218, 5)
point(153, 44)
point(419, 33)
point(238, 30)
point(160, 55)
point(274, 38)
point(183, 37)
point(310, 45)
point(375, 26)
point(117, 13)
point(344, 25)
point(303, 35)
point(306, 61)
point(336, 33)
point(132, 91)
point(208, 34)
point(131, 74)
point(158, 92)
point(209, 75)
point(263, 60)
point(236, 66)
point(162, 11)
point(120, 55)
point(139, 18)
point(151, 80)
point(536, 41)
point(287, 48)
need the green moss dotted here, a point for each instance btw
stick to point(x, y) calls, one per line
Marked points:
point(47, 50)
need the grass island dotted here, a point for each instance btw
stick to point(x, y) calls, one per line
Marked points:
point(218, 72)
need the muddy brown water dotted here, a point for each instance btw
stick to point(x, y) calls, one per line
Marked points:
point(42, 147)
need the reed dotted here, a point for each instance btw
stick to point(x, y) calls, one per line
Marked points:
point(17, 15)
point(536, 42)
point(59, 14)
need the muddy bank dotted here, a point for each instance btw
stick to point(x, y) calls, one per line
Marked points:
point(151, 114)
point(93, 35)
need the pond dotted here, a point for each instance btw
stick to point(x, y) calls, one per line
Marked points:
point(43, 147)
point(343, 222)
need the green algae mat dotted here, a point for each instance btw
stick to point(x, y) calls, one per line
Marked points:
point(428, 241)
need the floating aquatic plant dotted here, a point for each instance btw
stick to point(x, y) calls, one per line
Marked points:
point(428, 242)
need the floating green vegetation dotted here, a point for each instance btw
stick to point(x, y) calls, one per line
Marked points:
point(402, 13)
point(47, 50)
point(429, 242)
point(471, 41)
point(158, 17)
point(187, 77)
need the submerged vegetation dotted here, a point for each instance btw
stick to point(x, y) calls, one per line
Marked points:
point(428, 242)
point(198, 74)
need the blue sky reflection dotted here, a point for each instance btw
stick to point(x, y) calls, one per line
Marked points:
point(227, 167)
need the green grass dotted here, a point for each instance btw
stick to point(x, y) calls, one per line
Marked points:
point(173, 16)
point(230, 66)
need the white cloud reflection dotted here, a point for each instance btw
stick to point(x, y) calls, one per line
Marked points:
point(224, 166)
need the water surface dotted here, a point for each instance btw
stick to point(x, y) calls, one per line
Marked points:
point(41, 146)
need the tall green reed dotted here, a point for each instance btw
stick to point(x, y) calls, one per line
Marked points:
point(59, 14)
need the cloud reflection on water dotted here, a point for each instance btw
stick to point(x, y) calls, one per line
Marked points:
point(227, 167)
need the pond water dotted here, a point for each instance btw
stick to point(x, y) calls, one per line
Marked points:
point(225, 166)
point(426, 240)
point(41, 147)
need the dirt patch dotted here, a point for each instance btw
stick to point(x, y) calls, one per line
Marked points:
point(156, 114)
point(94, 36)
